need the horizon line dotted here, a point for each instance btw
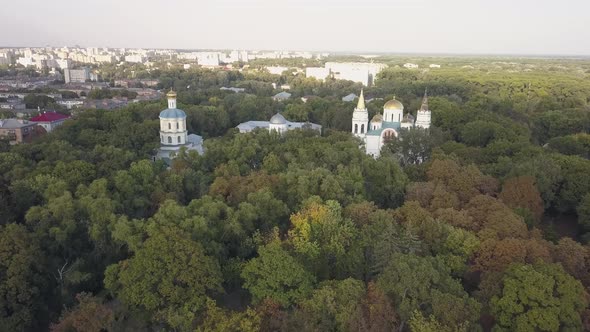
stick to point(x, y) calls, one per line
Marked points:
point(338, 52)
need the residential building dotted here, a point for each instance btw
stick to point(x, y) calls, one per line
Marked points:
point(281, 96)
point(360, 72)
point(77, 75)
point(135, 58)
point(49, 120)
point(13, 104)
point(410, 65)
point(18, 131)
point(318, 73)
point(276, 70)
point(349, 97)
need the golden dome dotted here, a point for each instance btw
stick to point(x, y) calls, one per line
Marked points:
point(393, 105)
point(171, 94)
point(377, 118)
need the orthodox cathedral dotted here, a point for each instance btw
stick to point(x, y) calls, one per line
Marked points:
point(173, 133)
point(383, 128)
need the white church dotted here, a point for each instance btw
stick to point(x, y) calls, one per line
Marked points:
point(277, 123)
point(173, 133)
point(386, 127)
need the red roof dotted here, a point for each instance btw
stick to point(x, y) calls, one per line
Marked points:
point(49, 117)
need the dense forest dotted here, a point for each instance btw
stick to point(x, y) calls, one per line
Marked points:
point(480, 223)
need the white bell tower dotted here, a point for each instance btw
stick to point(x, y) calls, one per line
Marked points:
point(423, 115)
point(360, 118)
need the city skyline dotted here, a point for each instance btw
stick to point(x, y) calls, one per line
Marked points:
point(397, 27)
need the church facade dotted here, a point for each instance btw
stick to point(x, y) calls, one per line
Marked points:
point(173, 132)
point(383, 128)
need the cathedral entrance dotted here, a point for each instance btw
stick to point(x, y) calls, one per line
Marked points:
point(388, 135)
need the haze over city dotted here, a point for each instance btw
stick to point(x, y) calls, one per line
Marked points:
point(419, 26)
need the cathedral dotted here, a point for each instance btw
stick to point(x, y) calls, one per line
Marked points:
point(383, 128)
point(173, 133)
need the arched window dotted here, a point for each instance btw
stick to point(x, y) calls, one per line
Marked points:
point(362, 128)
point(399, 117)
point(169, 126)
point(169, 139)
point(177, 127)
point(178, 139)
point(356, 128)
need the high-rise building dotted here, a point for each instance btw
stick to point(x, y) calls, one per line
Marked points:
point(77, 75)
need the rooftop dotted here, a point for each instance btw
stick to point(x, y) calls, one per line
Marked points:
point(49, 117)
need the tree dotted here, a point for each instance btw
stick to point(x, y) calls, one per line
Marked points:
point(583, 210)
point(90, 314)
point(220, 320)
point(331, 305)
point(575, 259)
point(169, 277)
point(539, 297)
point(521, 193)
point(322, 237)
point(21, 279)
point(414, 146)
point(425, 284)
point(276, 275)
point(375, 313)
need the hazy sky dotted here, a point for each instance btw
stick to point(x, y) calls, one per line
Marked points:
point(397, 26)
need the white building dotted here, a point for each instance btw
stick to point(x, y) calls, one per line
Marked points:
point(281, 96)
point(135, 58)
point(25, 61)
point(360, 72)
point(277, 123)
point(173, 132)
point(276, 70)
point(434, 65)
point(318, 73)
point(208, 59)
point(104, 58)
point(386, 127)
point(77, 75)
point(410, 65)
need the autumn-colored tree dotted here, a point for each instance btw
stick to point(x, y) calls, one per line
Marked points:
point(421, 192)
point(90, 314)
point(374, 313)
point(442, 198)
point(322, 237)
point(497, 255)
point(492, 218)
point(522, 193)
point(575, 259)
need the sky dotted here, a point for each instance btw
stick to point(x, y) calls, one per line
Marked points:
point(531, 27)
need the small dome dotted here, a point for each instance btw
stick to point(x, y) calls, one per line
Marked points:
point(408, 118)
point(172, 113)
point(393, 105)
point(278, 119)
point(171, 94)
point(377, 118)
